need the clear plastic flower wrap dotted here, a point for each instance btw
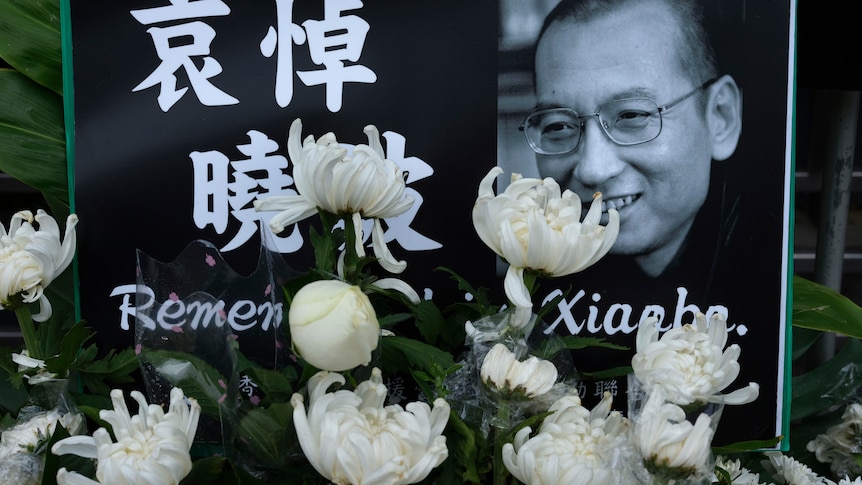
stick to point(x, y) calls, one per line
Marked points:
point(195, 315)
point(674, 442)
point(479, 401)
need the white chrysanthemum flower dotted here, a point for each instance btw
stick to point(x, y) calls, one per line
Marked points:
point(30, 434)
point(841, 445)
point(27, 363)
point(533, 225)
point(502, 371)
point(574, 446)
point(364, 183)
point(151, 448)
point(739, 475)
point(850, 481)
point(349, 437)
point(672, 446)
point(789, 471)
point(31, 259)
point(689, 363)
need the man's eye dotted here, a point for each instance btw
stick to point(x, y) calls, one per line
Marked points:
point(632, 115)
point(558, 128)
point(631, 119)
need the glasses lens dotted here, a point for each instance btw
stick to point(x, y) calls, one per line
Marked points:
point(553, 131)
point(631, 121)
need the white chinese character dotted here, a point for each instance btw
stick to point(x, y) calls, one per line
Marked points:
point(603, 386)
point(246, 385)
point(280, 39)
point(216, 198)
point(332, 41)
point(175, 57)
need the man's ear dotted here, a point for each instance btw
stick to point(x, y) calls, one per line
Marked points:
point(724, 117)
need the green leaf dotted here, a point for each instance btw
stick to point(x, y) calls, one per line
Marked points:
point(608, 373)
point(831, 384)
point(116, 368)
point(268, 435)
point(324, 249)
point(30, 40)
point(277, 385)
point(218, 470)
point(402, 353)
point(574, 342)
point(32, 139)
point(195, 376)
point(819, 307)
point(430, 322)
point(479, 295)
point(70, 345)
point(803, 339)
point(469, 448)
point(11, 397)
point(745, 446)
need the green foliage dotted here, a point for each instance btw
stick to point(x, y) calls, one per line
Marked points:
point(196, 377)
point(401, 354)
point(821, 393)
point(101, 374)
point(30, 40)
point(269, 436)
point(32, 136)
point(819, 307)
point(218, 470)
point(829, 385)
point(277, 385)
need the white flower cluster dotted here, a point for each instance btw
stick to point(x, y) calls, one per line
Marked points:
point(679, 374)
point(349, 437)
point(534, 225)
point(574, 445)
point(664, 440)
point(841, 445)
point(30, 258)
point(151, 447)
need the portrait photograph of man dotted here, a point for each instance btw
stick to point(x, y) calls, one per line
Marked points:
point(676, 111)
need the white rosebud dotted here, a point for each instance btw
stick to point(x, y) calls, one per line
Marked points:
point(504, 372)
point(333, 325)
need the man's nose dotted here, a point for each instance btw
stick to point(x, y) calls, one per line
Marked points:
point(597, 158)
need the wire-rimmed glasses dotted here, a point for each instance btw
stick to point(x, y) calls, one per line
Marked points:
point(630, 121)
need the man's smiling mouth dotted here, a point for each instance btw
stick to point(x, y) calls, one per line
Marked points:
point(619, 202)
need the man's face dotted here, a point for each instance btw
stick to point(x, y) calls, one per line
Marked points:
point(657, 186)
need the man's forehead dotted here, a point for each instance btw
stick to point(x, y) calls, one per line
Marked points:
point(612, 57)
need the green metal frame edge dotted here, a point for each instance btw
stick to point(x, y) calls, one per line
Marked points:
point(69, 121)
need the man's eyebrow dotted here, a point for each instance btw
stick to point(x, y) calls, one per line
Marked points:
point(635, 92)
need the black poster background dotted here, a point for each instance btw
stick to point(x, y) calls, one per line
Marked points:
point(437, 65)
point(133, 175)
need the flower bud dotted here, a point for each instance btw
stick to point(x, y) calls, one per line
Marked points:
point(333, 325)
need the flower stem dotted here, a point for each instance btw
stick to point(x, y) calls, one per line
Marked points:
point(28, 330)
point(501, 429)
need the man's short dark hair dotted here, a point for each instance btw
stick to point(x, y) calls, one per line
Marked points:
point(696, 54)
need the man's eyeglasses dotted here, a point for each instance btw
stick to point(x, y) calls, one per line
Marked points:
point(630, 121)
